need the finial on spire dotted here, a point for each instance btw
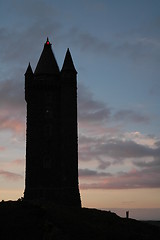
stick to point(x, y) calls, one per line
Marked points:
point(48, 42)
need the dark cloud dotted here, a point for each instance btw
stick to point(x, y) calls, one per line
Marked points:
point(130, 180)
point(93, 110)
point(12, 93)
point(12, 105)
point(131, 115)
point(10, 175)
point(136, 46)
point(116, 149)
point(90, 109)
point(119, 149)
point(157, 144)
point(92, 173)
point(103, 164)
point(155, 162)
point(88, 42)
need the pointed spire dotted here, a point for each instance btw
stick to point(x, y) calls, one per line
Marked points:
point(29, 70)
point(47, 63)
point(68, 63)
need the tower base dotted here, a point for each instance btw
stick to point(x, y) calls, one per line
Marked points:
point(67, 197)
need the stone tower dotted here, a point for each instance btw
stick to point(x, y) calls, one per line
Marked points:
point(51, 135)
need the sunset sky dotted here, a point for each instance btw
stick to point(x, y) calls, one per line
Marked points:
point(115, 45)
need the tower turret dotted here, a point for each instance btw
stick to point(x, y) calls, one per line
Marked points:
point(69, 134)
point(28, 78)
point(29, 71)
point(68, 63)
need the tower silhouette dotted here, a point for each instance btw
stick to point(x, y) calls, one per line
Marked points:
point(51, 135)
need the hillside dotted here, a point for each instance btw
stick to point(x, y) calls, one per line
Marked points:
point(26, 220)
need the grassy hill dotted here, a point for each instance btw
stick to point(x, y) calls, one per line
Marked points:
point(28, 220)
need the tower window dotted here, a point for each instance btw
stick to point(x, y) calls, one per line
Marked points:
point(48, 113)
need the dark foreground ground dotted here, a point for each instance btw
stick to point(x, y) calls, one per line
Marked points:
point(24, 220)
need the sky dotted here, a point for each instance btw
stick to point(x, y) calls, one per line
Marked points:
point(115, 46)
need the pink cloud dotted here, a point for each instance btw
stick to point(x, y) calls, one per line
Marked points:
point(11, 120)
point(2, 148)
point(118, 150)
point(122, 180)
point(131, 115)
point(18, 162)
point(10, 175)
point(14, 125)
point(12, 106)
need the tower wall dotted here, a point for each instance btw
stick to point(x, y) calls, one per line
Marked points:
point(43, 137)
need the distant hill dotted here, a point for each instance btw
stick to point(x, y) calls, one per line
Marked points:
point(27, 220)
